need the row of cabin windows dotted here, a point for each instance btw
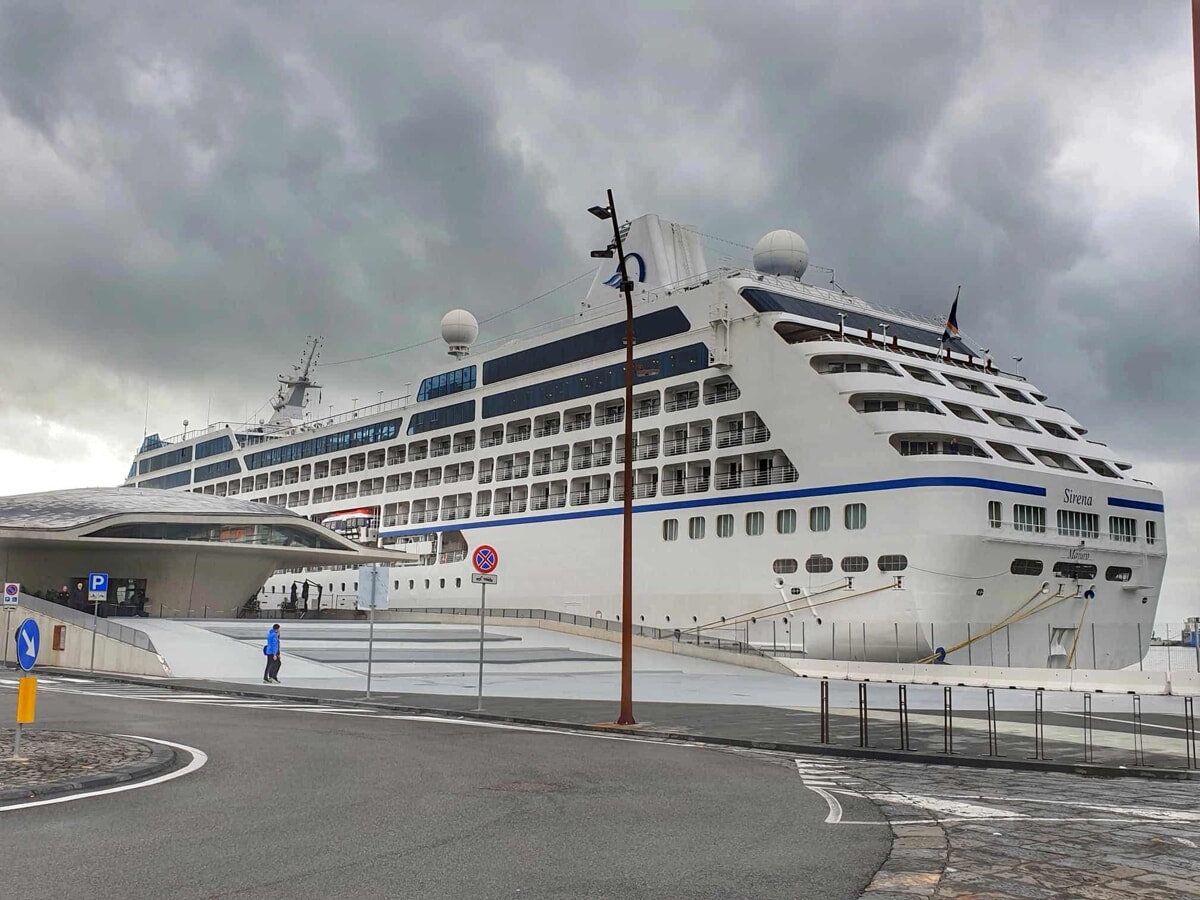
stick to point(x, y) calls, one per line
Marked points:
point(1074, 570)
point(953, 445)
point(854, 516)
point(1070, 522)
point(817, 564)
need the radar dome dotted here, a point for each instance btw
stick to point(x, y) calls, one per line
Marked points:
point(459, 330)
point(781, 252)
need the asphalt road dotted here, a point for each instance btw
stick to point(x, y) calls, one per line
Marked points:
point(303, 804)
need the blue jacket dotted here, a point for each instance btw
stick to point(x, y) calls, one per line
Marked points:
point(272, 647)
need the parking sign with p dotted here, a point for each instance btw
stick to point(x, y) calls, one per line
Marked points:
point(97, 587)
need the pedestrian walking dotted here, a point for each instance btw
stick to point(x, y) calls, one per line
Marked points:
point(271, 651)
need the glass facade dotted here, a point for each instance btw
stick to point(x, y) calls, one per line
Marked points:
point(219, 533)
point(212, 447)
point(326, 443)
point(692, 358)
point(447, 383)
point(446, 417)
point(650, 327)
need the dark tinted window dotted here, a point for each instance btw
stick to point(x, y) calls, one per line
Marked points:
point(610, 378)
point(893, 562)
point(769, 301)
point(650, 327)
point(326, 443)
point(174, 480)
point(446, 417)
point(1075, 571)
point(175, 457)
point(221, 444)
point(1118, 573)
point(1026, 567)
point(817, 564)
point(218, 470)
point(855, 564)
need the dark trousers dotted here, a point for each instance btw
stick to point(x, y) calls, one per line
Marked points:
point(272, 670)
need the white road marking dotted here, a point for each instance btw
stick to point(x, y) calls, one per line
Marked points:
point(199, 758)
point(835, 808)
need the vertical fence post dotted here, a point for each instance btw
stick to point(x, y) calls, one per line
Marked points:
point(947, 720)
point(1189, 732)
point(824, 710)
point(993, 742)
point(1088, 754)
point(1039, 734)
point(902, 709)
point(1139, 748)
point(862, 714)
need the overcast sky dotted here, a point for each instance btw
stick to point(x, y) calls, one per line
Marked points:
point(189, 190)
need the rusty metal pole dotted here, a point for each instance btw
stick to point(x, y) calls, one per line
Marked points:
point(626, 715)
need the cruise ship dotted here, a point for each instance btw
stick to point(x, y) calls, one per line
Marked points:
point(813, 473)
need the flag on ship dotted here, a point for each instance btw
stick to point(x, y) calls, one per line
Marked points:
point(952, 321)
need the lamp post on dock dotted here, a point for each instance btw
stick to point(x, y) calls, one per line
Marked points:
point(626, 713)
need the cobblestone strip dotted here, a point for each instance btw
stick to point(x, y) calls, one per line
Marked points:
point(57, 762)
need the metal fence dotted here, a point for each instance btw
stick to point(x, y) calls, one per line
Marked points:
point(106, 627)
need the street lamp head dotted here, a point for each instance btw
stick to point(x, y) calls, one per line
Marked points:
point(602, 254)
point(600, 212)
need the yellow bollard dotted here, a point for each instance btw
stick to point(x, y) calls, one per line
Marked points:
point(26, 705)
point(26, 700)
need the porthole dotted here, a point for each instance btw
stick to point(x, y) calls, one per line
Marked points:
point(818, 565)
point(893, 562)
point(442, 583)
point(1026, 567)
point(458, 582)
point(1075, 571)
point(785, 566)
point(1118, 573)
point(855, 564)
point(411, 584)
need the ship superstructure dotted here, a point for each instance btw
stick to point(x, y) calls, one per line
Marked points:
point(804, 463)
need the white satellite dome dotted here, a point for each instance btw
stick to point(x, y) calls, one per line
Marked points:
point(781, 252)
point(459, 330)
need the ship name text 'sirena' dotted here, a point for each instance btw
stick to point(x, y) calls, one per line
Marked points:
point(812, 472)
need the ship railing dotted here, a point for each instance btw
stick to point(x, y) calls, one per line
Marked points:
point(485, 477)
point(578, 424)
point(689, 401)
point(1076, 538)
point(581, 462)
point(464, 447)
point(377, 464)
point(494, 441)
point(435, 452)
point(643, 412)
point(522, 435)
point(452, 556)
point(723, 395)
point(546, 431)
point(611, 418)
point(641, 490)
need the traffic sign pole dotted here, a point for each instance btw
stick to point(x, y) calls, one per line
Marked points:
point(97, 587)
point(371, 630)
point(482, 606)
point(486, 559)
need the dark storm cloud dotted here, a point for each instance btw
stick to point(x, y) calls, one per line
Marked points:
point(211, 187)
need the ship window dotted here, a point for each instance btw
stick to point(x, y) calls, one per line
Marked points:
point(785, 521)
point(221, 469)
point(214, 446)
point(650, 327)
point(1122, 529)
point(1118, 573)
point(995, 513)
point(893, 562)
point(785, 566)
point(426, 584)
point(725, 525)
point(1029, 518)
point(1026, 567)
point(411, 584)
point(754, 523)
point(818, 518)
point(1057, 430)
point(855, 563)
point(458, 582)
point(1057, 460)
point(166, 482)
point(670, 529)
point(447, 383)
point(818, 564)
point(327, 443)
point(445, 417)
point(175, 457)
point(343, 587)
point(922, 374)
point(1009, 452)
point(1075, 571)
point(855, 516)
point(1151, 531)
point(1072, 523)
point(442, 582)
point(1100, 468)
point(696, 527)
point(665, 364)
point(964, 412)
point(1012, 394)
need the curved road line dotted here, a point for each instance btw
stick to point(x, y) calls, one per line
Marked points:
point(199, 758)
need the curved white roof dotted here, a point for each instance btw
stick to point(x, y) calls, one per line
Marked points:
point(79, 506)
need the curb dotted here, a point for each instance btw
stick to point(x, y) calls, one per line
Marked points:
point(162, 759)
point(1090, 770)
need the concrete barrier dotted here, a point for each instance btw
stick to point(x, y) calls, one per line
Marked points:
point(1120, 681)
point(1184, 684)
point(818, 668)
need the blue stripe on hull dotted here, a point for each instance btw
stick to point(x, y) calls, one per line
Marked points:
point(1135, 504)
point(831, 490)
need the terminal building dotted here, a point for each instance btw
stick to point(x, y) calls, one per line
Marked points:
point(166, 552)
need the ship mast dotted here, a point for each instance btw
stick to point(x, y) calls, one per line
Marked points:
point(288, 403)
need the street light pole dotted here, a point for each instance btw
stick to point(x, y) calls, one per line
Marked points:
point(626, 714)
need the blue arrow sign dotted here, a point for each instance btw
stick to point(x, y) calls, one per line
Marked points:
point(29, 641)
